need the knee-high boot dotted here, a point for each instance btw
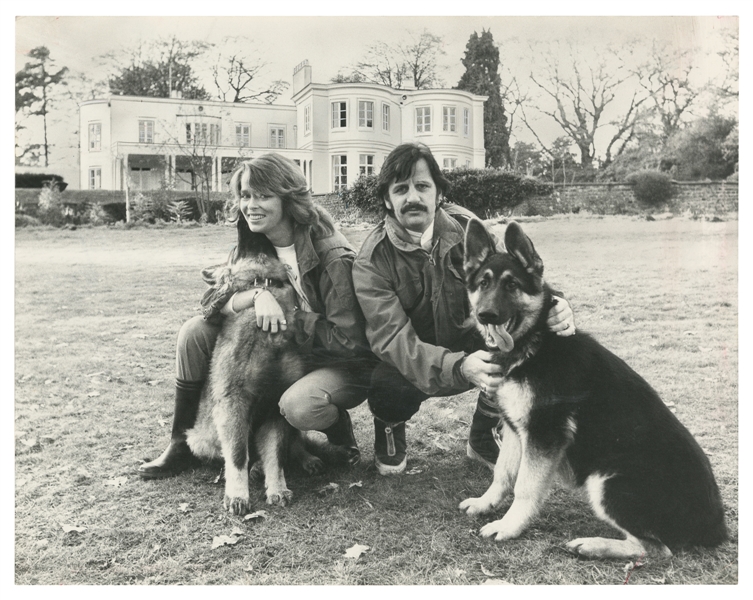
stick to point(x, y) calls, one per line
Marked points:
point(177, 457)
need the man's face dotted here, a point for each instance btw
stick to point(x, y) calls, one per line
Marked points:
point(414, 200)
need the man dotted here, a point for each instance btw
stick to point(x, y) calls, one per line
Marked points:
point(408, 278)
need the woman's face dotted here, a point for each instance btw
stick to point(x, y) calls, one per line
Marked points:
point(263, 213)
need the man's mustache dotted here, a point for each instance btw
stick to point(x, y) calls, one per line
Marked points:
point(413, 206)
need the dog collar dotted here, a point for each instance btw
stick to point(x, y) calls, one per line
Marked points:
point(266, 282)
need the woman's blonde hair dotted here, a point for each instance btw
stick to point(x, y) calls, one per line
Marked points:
point(274, 174)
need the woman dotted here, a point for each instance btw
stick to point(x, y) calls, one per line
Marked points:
point(273, 209)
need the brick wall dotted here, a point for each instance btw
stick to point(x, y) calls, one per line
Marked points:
point(697, 197)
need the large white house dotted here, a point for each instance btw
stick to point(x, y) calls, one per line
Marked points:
point(333, 131)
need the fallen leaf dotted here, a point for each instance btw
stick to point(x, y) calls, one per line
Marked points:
point(223, 540)
point(161, 422)
point(248, 568)
point(49, 381)
point(356, 484)
point(328, 489)
point(486, 572)
point(496, 582)
point(93, 394)
point(95, 374)
point(69, 528)
point(153, 382)
point(183, 507)
point(30, 442)
point(259, 514)
point(355, 551)
point(441, 446)
point(415, 471)
point(117, 481)
point(61, 345)
point(42, 543)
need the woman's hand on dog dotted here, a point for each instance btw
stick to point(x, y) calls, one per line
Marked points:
point(561, 319)
point(478, 369)
point(269, 314)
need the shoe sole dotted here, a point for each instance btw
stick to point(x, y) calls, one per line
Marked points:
point(388, 470)
point(473, 455)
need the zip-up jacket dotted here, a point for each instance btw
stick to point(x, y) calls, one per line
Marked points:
point(415, 301)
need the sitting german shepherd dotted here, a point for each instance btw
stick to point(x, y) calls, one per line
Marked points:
point(573, 409)
point(249, 371)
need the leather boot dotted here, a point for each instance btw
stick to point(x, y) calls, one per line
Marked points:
point(340, 433)
point(177, 457)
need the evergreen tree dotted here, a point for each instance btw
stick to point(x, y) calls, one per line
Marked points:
point(481, 77)
point(157, 68)
point(34, 86)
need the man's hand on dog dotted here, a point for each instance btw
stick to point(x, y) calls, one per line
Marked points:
point(269, 315)
point(561, 320)
point(478, 369)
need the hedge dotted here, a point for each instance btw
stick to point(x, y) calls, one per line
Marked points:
point(484, 191)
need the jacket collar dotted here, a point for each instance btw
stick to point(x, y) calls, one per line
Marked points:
point(447, 233)
point(307, 257)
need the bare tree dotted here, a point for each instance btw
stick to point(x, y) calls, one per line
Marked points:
point(412, 63)
point(236, 74)
point(667, 79)
point(586, 93)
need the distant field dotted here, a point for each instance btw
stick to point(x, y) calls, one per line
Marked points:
point(96, 315)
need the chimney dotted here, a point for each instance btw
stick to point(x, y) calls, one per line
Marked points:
point(301, 76)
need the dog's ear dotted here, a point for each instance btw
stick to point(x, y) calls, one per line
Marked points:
point(521, 247)
point(479, 245)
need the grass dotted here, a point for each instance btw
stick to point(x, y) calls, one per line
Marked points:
point(97, 312)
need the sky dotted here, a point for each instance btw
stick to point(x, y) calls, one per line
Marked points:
point(332, 43)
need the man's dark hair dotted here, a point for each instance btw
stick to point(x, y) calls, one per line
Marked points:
point(399, 165)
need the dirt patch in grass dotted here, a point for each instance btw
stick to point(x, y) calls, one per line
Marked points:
point(97, 312)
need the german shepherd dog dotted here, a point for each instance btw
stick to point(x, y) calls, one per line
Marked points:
point(249, 371)
point(572, 409)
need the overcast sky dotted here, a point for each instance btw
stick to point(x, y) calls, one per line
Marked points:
point(331, 43)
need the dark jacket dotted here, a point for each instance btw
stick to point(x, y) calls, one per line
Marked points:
point(335, 327)
point(415, 301)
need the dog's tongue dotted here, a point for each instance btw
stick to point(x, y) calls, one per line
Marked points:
point(503, 339)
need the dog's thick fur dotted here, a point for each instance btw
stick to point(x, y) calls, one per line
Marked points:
point(573, 409)
point(249, 371)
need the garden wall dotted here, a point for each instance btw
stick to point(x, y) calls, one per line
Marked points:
point(695, 197)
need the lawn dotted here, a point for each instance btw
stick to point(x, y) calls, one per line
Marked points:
point(96, 315)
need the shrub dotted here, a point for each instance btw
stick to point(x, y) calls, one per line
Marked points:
point(362, 195)
point(487, 192)
point(39, 180)
point(483, 191)
point(651, 187)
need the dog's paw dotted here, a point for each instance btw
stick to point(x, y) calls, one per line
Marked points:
point(313, 465)
point(500, 530)
point(279, 497)
point(475, 506)
point(237, 506)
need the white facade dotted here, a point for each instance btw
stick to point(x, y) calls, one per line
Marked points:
point(334, 131)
